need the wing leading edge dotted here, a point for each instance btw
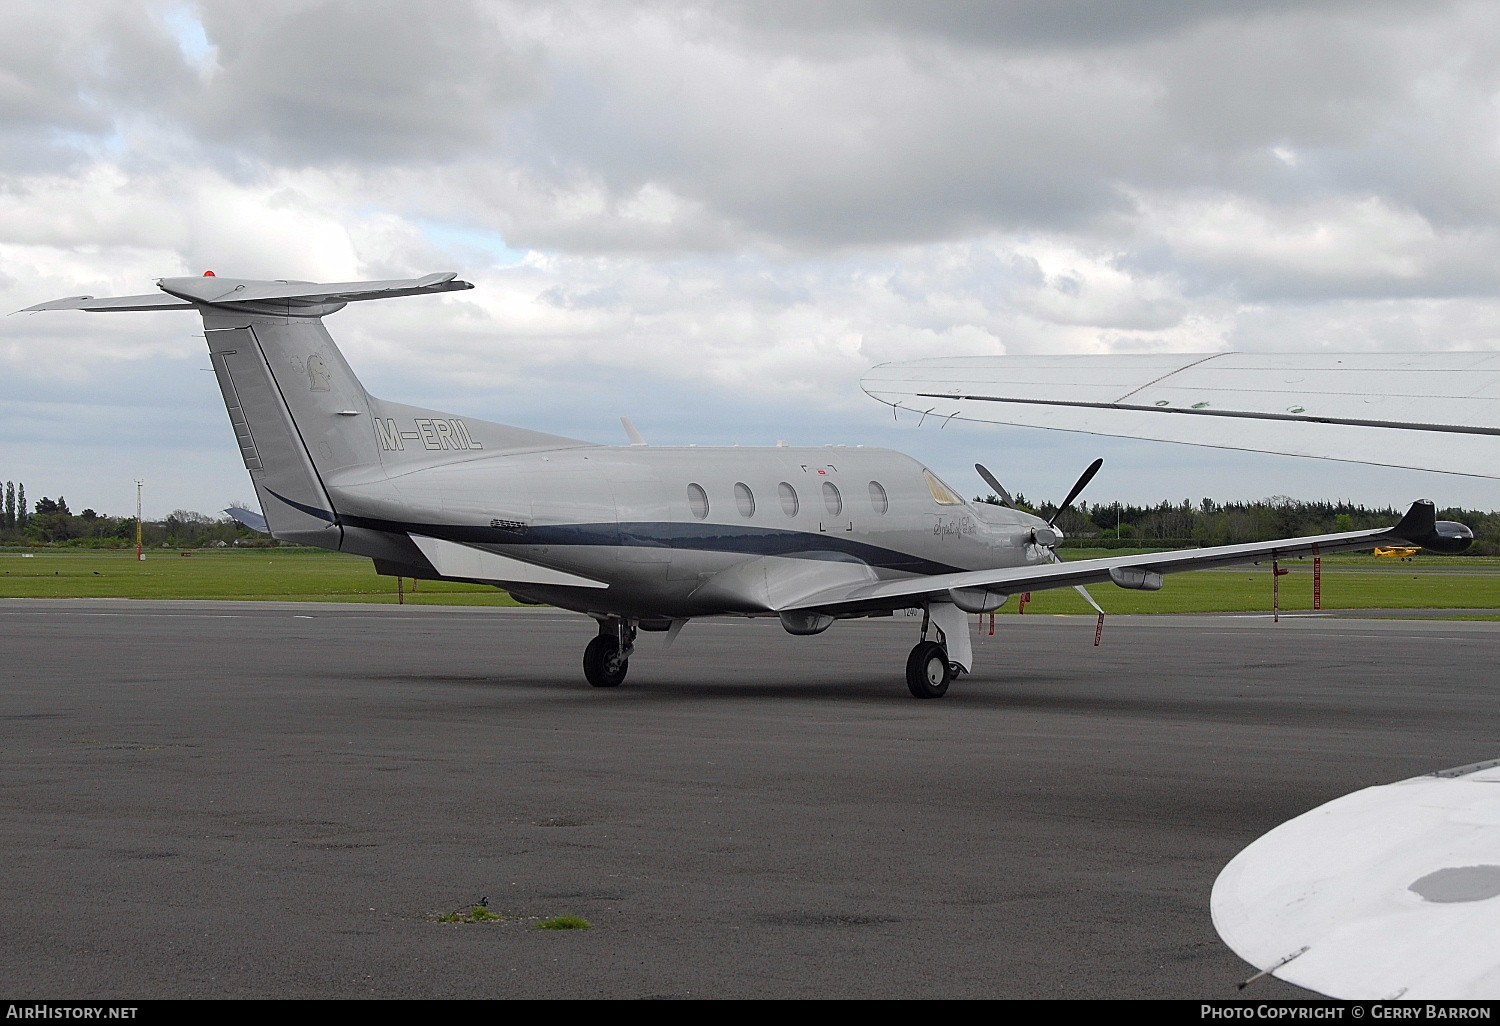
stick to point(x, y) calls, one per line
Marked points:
point(1430, 411)
point(1419, 526)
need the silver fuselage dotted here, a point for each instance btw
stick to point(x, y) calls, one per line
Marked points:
point(628, 516)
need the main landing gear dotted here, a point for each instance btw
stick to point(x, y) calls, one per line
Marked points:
point(607, 657)
point(930, 668)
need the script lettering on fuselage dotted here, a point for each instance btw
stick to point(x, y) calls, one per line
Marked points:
point(948, 526)
point(434, 433)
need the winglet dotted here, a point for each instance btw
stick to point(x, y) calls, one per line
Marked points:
point(1421, 527)
point(1419, 522)
point(636, 438)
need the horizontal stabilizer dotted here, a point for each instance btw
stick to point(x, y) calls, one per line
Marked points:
point(235, 291)
point(121, 304)
point(249, 518)
point(466, 562)
point(306, 298)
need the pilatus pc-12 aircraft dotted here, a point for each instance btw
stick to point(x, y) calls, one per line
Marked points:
point(638, 537)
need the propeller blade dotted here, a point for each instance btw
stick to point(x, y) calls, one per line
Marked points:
point(1083, 482)
point(999, 488)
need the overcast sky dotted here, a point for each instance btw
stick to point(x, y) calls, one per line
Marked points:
point(714, 217)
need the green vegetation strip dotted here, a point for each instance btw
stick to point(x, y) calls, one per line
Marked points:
point(296, 575)
point(1349, 582)
point(565, 923)
point(310, 575)
point(476, 914)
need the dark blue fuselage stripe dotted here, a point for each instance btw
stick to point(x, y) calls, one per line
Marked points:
point(749, 541)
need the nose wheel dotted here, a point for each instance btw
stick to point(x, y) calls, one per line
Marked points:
point(928, 671)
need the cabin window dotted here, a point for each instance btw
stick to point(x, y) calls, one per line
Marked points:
point(941, 493)
point(698, 501)
point(832, 499)
point(879, 501)
point(744, 499)
point(789, 504)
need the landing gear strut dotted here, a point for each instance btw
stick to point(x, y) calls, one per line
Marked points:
point(607, 657)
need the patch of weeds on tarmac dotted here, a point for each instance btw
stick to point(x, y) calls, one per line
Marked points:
point(564, 923)
point(479, 913)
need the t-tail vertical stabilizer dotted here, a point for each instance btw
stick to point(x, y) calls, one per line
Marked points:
point(305, 425)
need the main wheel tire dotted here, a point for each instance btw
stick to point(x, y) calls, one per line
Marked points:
point(602, 664)
point(927, 670)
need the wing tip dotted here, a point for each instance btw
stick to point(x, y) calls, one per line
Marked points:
point(1420, 526)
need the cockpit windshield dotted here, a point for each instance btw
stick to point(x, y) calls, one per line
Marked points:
point(941, 493)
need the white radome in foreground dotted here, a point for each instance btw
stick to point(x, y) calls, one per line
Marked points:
point(1393, 892)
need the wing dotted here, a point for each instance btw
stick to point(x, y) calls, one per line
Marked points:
point(1389, 892)
point(251, 519)
point(1428, 411)
point(970, 589)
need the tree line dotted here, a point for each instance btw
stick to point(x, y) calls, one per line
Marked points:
point(1098, 525)
point(51, 522)
point(1187, 524)
point(13, 513)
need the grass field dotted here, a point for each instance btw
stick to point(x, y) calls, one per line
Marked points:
point(311, 575)
point(1349, 582)
point(298, 575)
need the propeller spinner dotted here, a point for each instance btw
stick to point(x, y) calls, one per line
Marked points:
point(1048, 537)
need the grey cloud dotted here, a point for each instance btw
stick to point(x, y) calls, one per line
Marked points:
point(838, 131)
point(361, 82)
point(66, 73)
point(1009, 23)
point(900, 139)
point(929, 122)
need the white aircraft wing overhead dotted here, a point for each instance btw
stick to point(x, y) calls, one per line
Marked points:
point(1425, 411)
point(972, 589)
point(1390, 892)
